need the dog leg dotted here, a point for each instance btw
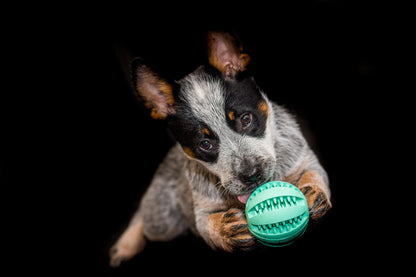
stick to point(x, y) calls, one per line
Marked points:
point(161, 214)
point(130, 243)
point(158, 219)
point(316, 192)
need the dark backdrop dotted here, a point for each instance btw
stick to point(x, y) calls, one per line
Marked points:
point(325, 61)
point(322, 61)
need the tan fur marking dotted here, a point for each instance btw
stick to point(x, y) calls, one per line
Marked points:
point(264, 109)
point(188, 151)
point(214, 222)
point(311, 177)
point(314, 188)
point(231, 115)
point(228, 230)
point(205, 131)
point(156, 115)
point(245, 59)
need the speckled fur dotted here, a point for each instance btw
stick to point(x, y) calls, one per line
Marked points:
point(188, 193)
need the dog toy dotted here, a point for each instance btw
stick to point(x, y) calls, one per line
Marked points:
point(277, 213)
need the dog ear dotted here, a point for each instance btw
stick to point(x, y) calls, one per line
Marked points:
point(225, 54)
point(155, 91)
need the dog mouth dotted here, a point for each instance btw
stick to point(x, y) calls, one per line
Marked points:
point(243, 198)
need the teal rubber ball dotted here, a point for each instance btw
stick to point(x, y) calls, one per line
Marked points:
point(277, 213)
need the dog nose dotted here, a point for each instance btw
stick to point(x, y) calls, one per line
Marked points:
point(252, 176)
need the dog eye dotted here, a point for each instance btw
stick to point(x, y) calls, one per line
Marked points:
point(245, 120)
point(205, 145)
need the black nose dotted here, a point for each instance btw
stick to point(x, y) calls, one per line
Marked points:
point(251, 176)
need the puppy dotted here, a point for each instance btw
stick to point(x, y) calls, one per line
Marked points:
point(230, 139)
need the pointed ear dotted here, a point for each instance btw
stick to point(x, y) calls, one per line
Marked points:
point(225, 54)
point(155, 91)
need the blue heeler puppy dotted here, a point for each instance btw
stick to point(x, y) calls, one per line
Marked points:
point(230, 139)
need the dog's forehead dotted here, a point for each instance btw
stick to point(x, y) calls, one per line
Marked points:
point(205, 95)
point(208, 101)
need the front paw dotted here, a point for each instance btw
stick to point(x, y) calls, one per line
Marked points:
point(230, 231)
point(318, 202)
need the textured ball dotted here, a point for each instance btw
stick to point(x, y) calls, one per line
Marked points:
point(277, 213)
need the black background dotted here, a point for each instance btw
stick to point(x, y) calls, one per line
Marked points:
point(94, 147)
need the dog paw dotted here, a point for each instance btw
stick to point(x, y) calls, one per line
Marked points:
point(120, 253)
point(318, 202)
point(232, 231)
point(129, 244)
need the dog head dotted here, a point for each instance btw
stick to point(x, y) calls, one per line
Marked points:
point(217, 114)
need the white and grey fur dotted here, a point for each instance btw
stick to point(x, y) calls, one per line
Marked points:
point(190, 194)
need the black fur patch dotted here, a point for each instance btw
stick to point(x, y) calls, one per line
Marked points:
point(188, 131)
point(241, 97)
point(244, 97)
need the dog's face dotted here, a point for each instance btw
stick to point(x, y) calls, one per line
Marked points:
point(218, 115)
point(224, 125)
